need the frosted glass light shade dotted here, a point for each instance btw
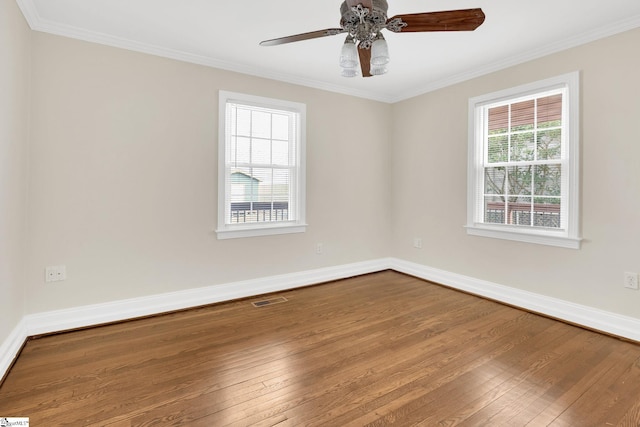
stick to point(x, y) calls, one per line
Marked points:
point(349, 55)
point(349, 72)
point(377, 70)
point(379, 52)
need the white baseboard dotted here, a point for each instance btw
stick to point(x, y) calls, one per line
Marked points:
point(11, 346)
point(95, 314)
point(593, 318)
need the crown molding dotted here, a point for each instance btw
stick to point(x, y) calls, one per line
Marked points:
point(30, 12)
point(36, 23)
point(558, 46)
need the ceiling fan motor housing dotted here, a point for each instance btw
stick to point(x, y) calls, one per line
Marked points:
point(362, 23)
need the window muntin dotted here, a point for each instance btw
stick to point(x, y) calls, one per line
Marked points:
point(261, 189)
point(523, 163)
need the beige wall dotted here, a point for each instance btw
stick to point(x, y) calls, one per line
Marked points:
point(14, 95)
point(429, 146)
point(123, 177)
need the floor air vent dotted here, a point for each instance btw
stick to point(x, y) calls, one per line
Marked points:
point(271, 301)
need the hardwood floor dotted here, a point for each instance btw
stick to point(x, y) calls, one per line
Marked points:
point(377, 350)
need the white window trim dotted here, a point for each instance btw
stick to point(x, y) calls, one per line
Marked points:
point(568, 238)
point(232, 231)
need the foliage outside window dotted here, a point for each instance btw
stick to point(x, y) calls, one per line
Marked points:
point(523, 160)
point(261, 166)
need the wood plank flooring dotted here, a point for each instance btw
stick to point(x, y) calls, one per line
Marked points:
point(376, 350)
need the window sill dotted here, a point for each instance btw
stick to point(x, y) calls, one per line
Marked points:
point(529, 236)
point(253, 231)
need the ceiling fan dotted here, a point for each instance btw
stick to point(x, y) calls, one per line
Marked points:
point(363, 21)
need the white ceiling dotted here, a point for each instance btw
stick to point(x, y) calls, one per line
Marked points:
point(225, 34)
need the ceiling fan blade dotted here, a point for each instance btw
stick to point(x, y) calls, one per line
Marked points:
point(303, 36)
point(365, 61)
point(365, 3)
point(450, 20)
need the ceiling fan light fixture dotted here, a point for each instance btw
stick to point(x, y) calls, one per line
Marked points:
point(349, 54)
point(378, 70)
point(349, 72)
point(379, 51)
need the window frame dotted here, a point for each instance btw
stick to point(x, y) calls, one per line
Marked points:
point(566, 238)
point(232, 231)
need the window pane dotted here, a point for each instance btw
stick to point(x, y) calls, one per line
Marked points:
point(547, 212)
point(519, 178)
point(243, 122)
point(494, 210)
point(262, 208)
point(260, 124)
point(522, 147)
point(263, 175)
point(244, 188)
point(550, 111)
point(494, 180)
point(281, 184)
point(280, 127)
point(280, 154)
point(522, 115)
point(260, 151)
point(231, 150)
point(549, 144)
point(498, 149)
point(519, 210)
point(498, 119)
point(243, 151)
point(547, 180)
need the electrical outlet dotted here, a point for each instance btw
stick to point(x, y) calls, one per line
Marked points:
point(417, 242)
point(55, 273)
point(61, 273)
point(319, 248)
point(50, 274)
point(631, 280)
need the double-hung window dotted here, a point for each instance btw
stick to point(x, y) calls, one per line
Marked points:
point(523, 163)
point(261, 173)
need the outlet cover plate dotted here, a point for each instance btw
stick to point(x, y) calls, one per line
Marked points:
point(55, 273)
point(631, 280)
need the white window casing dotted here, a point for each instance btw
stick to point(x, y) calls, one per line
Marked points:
point(508, 168)
point(261, 166)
